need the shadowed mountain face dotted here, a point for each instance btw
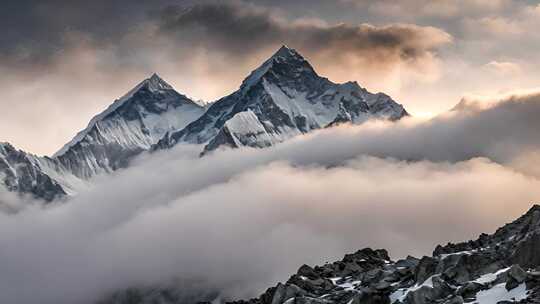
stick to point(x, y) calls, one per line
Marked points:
point(282, 98)
point(503, 267)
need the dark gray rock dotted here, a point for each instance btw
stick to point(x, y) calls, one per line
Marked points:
point(425, 269)
point(423, 295)
point(527, 253)
point(517, 273)
point(454, 300)
point(469, 289)
point(448, 277)
point(516, 276)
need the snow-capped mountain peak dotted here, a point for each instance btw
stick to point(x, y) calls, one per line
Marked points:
point(284, 57)
point(153, 84)
point(283, 51)
point(130, 125)
point(282, 98)
point(156, 83)
point(286, 53)
point(285, 97)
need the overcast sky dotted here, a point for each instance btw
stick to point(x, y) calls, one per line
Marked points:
point(64, 61)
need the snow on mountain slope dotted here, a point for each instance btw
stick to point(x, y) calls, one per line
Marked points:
point(22, 172)
point(132, 124)
point(153, 84)
point(282, 98)
point(244, 129)
point(288, 98)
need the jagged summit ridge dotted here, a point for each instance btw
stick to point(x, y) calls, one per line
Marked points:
point(157, 83)
point(513, 236)
point(152, 84)
point(283, 55)
point(287, 98)
point(282, 98)
point(285, 51)
point(129, 126)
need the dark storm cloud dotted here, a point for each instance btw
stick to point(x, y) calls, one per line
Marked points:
point(239, 29)
point(231, 27)
point(34, 31)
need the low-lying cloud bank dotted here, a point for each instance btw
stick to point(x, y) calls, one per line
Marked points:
point(504, 131)
point(238, 221)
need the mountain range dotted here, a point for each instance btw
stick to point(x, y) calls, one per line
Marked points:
point(282, 98)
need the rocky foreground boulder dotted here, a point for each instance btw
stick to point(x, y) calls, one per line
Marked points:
point(500, 268)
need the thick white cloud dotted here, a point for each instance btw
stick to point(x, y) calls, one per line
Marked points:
point(238, 221)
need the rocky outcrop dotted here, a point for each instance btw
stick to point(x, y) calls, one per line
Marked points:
point(500, 268)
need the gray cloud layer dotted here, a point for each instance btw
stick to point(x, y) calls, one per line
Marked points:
point(39, 31)
point(238, 221)
point(241, 30)
point(502, 132)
